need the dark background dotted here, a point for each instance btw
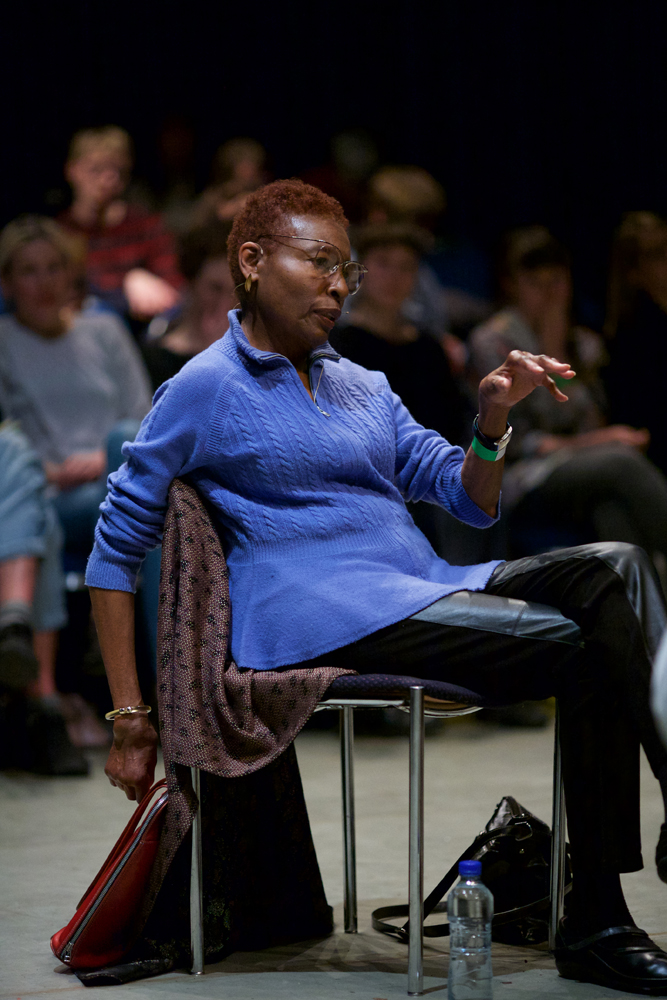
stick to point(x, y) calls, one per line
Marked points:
point(541, 112)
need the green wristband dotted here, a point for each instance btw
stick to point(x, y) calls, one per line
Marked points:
point(486, 453)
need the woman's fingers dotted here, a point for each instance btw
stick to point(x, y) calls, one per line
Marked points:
point(130, 788)
point(540, 364)
point(132, 758)
point(539, 368)
point(521, 373)
point(528, 362)
point(131, 770)
point(552, 364)
point(555, 391)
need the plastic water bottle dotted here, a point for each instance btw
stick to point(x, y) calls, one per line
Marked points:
point(470, 911)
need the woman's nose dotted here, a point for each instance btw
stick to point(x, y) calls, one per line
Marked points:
point(338, 285)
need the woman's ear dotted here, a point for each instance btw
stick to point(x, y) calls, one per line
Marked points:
point(250, 255)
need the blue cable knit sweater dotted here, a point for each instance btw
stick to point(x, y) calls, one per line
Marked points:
point(309, 497)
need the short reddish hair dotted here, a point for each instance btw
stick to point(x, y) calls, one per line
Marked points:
point(266, 208)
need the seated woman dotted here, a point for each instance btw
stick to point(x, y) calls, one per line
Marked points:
point(569, 476)
point(305, 460)
point(67, 382)
point(209, 295)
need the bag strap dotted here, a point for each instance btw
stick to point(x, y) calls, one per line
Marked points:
point(445, 883)
point(382, 913)
point(433, 904)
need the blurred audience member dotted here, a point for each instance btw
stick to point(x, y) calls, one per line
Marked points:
point(411, 194)
point(637, 327)
point(379, 337)
point(209, 296)
point(239, 169)
point(68, 381)
point(569, 478)
point(33, 733)
point(177, 186)
point(354, 157)
point(405, 194)
point(130, 256)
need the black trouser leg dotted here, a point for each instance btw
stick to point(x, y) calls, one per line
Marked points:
point(611, 591)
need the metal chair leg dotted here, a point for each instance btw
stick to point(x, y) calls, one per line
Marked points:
point(196, 906)
point(416, 848)
point(557, 842)
point(349, 834)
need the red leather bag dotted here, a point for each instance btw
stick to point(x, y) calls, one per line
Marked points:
point(105, 925)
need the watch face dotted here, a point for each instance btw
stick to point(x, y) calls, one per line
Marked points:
point(488, 442)
point(504, 440)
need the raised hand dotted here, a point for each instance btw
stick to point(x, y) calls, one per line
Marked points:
point(519, 375)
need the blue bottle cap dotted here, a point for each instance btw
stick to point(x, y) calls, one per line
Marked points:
point(470, 869)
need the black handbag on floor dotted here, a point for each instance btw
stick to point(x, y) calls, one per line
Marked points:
point(515, 851)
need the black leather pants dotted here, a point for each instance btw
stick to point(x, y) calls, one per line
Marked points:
point(599, 669)
point(611, 591)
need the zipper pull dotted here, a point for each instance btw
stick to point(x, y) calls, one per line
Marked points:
point(317, 390)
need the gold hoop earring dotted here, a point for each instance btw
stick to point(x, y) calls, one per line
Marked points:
point(248, 284)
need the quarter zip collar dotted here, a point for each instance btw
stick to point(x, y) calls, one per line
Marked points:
point(269, 359)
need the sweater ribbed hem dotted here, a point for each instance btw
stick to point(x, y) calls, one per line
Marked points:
point(408, 608)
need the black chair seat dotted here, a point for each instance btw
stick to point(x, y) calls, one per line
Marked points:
point(393, 685)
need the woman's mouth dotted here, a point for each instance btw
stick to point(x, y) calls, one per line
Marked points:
point(328, 317)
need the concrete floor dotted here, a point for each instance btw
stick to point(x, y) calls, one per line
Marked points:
point(54, 834)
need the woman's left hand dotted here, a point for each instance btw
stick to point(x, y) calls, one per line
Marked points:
point(519, 375)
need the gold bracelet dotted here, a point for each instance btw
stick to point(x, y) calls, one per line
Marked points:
point(130, 710)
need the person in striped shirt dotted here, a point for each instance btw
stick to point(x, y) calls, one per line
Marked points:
point(130, 261)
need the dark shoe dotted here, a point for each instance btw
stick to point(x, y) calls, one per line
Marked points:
point(18, 665)
point(51, 749)
point(661, 853)
point(622, 958)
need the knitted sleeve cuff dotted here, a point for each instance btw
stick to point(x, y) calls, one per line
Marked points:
point(107, 575)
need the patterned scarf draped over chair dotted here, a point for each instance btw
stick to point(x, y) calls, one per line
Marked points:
point(262, 884)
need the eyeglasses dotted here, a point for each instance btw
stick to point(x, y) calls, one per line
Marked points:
point(327, 259)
